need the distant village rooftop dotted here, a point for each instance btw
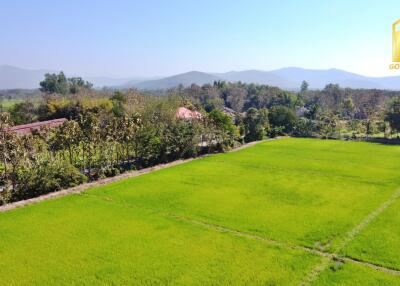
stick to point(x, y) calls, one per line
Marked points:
point(184, 113)
point(28, 128)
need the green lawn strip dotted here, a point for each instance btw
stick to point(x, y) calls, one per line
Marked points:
point(80, 240)
point(302, 191)
point(351, 275)
point(379, 243)
point(8, 103)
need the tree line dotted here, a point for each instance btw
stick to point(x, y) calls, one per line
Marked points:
point(109, 132)
point(332, 112)
point(105, 134)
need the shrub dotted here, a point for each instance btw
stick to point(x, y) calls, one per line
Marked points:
point(5, 196)
point(45, 177)
point(111, 172)
point(304, 128)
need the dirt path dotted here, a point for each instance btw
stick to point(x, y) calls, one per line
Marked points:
point(83, 187)
point(349, 236)
point(326, 256)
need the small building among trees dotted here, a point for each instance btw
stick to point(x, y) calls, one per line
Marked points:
point(25, 129)
point(185, 113)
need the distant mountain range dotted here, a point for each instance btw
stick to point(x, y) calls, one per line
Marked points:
point(184, 79)
point(13, 77)
point(286, 78)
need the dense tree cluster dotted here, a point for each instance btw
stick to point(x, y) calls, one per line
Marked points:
point(329, 113)
point(104, 136)
point(60, 84)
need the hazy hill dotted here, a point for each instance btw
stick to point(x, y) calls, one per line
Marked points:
point(258, 77)
point(286, 78)
point(13, 77)
point(185, 79)
point(317, 79)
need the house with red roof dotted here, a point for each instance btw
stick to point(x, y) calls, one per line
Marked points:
point(184, 113)
point(25, 129)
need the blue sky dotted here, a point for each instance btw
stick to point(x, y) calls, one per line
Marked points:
point(156, 37)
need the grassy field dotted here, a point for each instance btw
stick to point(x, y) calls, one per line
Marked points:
point(8, 103)
point(272, 214)
point(380, 241)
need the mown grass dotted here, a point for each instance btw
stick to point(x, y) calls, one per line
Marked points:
point(8, 103)
point(295, 191)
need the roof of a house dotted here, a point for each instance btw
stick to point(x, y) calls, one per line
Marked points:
point(28, 128)
point(184, 113)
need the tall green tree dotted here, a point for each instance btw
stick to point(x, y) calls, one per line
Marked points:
point(304, 87)
point(256, 124)
point(282, 117)
point(60, 84)
point(76, 84)
point(90, 125)
point(67, 137)
point(223, 125)
point(55, 83)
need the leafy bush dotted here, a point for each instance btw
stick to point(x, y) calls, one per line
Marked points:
point(45, 177)
point(111, 172)
point(5, 196)
point(304, 128)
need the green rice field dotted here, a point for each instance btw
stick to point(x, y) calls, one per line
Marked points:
point(282, 212)
point(8, 103)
